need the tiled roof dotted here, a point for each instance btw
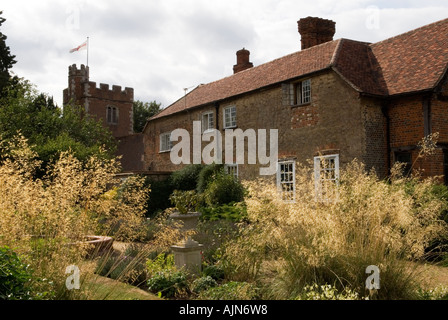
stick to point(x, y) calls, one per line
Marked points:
point(413, 61)
point(282, 69)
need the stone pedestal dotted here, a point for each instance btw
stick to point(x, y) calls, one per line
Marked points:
point(188, 255)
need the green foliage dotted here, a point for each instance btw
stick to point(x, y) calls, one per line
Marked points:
point(49, 130)
point(168, 284)
point(230, 291)
point(142, 112)
point(162, 263)
point(186, 201)
point(438, 293)
point(214, 271)
point(6, 58)
point(203, 283)
point(234, 211)
point(206, 175)
point(224, 189)
point(326, 292)
point(159, 198)
point(164, 278)
point(186, 178)
point(15, 277)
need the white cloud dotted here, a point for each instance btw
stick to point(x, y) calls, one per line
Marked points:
point(159, 47)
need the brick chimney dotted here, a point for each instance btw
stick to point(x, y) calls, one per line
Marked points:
point(315, 31)
point(242, 61)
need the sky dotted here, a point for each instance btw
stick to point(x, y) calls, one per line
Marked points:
point(160, 48)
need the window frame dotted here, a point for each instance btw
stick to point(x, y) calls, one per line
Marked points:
point(281, 183)
point(302, 92)
point(163, 143)
point(210, 115)
point(112, 115)
point(233, 124)
point(232, 168)
point(318, 172)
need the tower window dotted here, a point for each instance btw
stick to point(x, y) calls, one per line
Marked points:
point(112, 115)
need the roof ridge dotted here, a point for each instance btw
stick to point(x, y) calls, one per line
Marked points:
point(336, 52)
point(410, 31)
point(272, 61)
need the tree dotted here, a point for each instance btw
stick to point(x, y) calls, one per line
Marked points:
point(48, 129)
point(142, 112)
point(6, 59)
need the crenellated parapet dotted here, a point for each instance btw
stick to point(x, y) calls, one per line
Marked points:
point(104, 92)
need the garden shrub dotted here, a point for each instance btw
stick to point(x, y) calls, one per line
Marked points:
point(234, 211)
point(224, 189)
point(168, 283)
point(15, 276)
point(203, 283)
point(159, 198)
point(230, 291)
point(186, 201)
point(186, 178)
point(207, 174)
point(163, 262)
point(326, 292)
point(214, 271)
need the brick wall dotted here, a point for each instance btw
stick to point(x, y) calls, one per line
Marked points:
point(408, 129)
point(334, 120)
point(375, 135)
point(130, 149)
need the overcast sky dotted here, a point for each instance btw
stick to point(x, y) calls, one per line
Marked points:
point(161, 47)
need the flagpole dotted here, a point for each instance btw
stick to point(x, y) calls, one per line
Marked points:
point(87, 51)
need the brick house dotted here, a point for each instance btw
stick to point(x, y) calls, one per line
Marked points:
point(340, 99)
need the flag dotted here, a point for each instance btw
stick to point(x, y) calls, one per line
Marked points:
point(82, 46)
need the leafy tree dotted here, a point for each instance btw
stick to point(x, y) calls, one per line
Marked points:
point(142, 112)
point(6, 59)
point(49, 129)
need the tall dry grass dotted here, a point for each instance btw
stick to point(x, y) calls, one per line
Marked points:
point(42, 219)
point(369, 222)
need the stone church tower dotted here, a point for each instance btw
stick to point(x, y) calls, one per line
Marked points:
point(112, 106)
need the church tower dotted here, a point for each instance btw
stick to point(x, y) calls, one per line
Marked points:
point(114, 107)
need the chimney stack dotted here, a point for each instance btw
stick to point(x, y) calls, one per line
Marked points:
point(315, 31)
point(242, 61)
